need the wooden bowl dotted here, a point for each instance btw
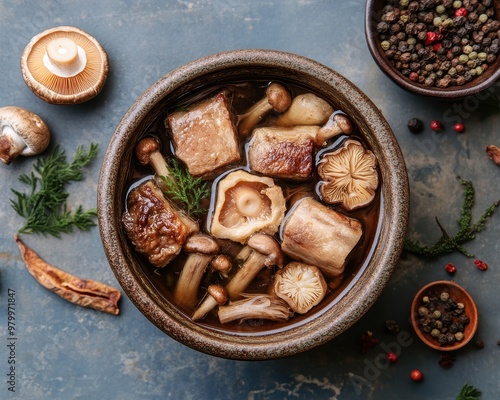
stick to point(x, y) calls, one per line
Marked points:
point(457, 293)
point(373, 12)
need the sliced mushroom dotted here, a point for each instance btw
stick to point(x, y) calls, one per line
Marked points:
point(22, 133)
point(246, 204)
point(349, 176)
point(302, 286)
point(202, 249)
point(64, 65)
point(306, 109)
point(317, 235)
point(264, 252)
point(255, 306)
point(277, 98)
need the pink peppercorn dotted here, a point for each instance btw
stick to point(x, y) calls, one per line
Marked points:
point(436, 125)
point(459, 127)
point(481, 265)
point(450, 268)
point(413, 77)
point(392, 357)
point(461, 12)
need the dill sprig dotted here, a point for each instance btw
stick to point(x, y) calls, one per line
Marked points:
point(182, 187)
point(469, 392)
point(467, 229)
point(44, 208)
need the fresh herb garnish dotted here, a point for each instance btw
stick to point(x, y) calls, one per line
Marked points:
point(183, 188)
point(469, 392)
point(467, 230)
point(44, 208)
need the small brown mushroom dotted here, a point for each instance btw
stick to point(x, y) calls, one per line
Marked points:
point(349, 175)
point(147, 151)
point(252, 306)
point(22, 133)
point(277, 98)
point(222, 264)
point(202, 249)
point(306, 109)
point(64, 65)
point(336, 124)
point(264, 252)
point(245, 204)
point(302, 286)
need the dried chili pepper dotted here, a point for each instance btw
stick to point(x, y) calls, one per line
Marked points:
point(481, 265)
point(83, 292)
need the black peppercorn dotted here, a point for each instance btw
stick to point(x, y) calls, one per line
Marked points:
point(463, 319)
point(415, 125)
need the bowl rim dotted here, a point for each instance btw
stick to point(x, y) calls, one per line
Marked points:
point(327, 325)
point(424, 337)
point(451, 93)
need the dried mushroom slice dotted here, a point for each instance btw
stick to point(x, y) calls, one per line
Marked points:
point(302, 286)
point(246, 204)
point(349, 176)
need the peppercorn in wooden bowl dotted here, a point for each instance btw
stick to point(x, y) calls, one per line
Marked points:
point(268, 265)
point(444, 315)
point(446, 49)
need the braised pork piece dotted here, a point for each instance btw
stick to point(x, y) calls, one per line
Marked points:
point(264, 190)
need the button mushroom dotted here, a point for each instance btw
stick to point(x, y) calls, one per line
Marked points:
point(245, 204)
point(306, 109)
point(349, 176)
point(255, 306)
point(277, 98)
point(22, 133)
point(202, 249)
point(302, 286)
point(261, 251)
point(64, 65)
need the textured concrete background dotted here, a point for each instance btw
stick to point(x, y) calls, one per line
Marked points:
point(68, 352)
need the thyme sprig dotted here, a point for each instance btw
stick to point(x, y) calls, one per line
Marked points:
point(469, 392)
point(44, 207)
point(467, 229)
point(183, 188)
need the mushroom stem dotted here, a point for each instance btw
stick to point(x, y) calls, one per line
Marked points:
point(277, 98)
point(265, 252)
point(202, 248)
point(336, 124)
point(306, 109)
point(64, 58)
point(261, 306)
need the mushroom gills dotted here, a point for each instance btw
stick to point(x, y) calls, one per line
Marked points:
point(317, 235)
point(154, 226)
point(246, 204)
point(204, 136)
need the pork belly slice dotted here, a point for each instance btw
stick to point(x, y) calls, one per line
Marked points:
point(204, 136)
point(155, 227)
point(317, 235)
point(283, 152)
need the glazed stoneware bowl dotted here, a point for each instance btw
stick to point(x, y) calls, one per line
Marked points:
point(459, 295)
point(359, 291)
point(373, 13)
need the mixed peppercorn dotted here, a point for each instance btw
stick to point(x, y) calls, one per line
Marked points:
point(440, 43)
point(443, 318)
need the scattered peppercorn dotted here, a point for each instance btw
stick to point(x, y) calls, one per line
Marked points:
point(368, 341)
point(459, 128)
point(392, 357)
point(392, 326)
point(479, 344)
point(436, 125)
point(415, 125)
point(481, 265)
point(416, 375)
point(450, 268)
point(446, 360)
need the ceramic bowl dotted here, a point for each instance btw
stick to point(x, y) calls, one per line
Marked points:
point(459, 295)
point(360, 291)
point(373, 14)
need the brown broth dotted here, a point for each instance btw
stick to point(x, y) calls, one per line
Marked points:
point(164, 280)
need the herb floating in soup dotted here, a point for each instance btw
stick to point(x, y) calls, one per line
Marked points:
point(237, 205)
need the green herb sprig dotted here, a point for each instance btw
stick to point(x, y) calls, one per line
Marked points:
point(44, 208)
point(467, 230)
point(183, 188)
point(469, 392)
